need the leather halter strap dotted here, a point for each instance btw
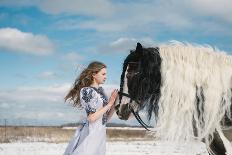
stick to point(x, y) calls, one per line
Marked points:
point(136, 114)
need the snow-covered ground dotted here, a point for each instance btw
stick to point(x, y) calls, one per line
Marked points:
point(113, 148)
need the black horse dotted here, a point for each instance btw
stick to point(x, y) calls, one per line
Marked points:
point(146, 83)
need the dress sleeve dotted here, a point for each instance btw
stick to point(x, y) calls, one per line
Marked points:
point(88, 100)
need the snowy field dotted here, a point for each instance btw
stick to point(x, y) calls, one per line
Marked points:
point(113, 148)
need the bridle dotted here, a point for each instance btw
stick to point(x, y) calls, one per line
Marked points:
point(136, 114)
point(130, 106)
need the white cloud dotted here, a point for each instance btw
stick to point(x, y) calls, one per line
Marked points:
point(53, 93)
point(130, 42)
point(132, 17)
point(147, 16)
point(111, 16)
point(126, 44)
point(99, 8)
point(101, 25)
point(4, 105)
point(73, 57)
point(213, 8)
point(122, 42)
point(47, 75)
point(17, 41)
point(104, 26)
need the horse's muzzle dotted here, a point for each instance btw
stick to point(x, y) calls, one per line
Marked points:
point(123, 111)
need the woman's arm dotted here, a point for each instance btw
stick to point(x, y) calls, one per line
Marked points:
point(94, 116)
point(110, 114)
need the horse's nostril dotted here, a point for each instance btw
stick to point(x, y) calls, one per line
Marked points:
point(117, 112)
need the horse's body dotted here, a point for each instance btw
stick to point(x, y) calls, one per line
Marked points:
point(189, 88)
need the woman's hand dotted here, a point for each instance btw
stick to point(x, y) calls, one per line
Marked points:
point(113, 97)
point(94, 116)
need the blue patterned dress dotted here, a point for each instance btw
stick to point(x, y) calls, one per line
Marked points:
point(90, 137)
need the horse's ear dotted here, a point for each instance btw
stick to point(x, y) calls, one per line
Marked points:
point(139, 47)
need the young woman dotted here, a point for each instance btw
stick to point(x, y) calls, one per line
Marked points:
point(90, 137)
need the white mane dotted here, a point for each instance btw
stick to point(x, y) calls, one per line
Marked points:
point(185, 69)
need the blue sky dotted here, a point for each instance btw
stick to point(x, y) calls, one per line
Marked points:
point(45, 44)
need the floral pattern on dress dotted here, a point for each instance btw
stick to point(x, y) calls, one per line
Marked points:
point(87, 96)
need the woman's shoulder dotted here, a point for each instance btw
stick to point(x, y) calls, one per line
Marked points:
point(87, 90)
point(87, 93)
point(92, 88)
point(92, 91)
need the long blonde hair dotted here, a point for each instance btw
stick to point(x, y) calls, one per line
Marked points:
point(85, 79)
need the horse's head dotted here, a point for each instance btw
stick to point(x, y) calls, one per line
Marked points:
point(195, 93)
point(140, 82)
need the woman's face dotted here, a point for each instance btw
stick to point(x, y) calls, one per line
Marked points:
point(100, 77)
